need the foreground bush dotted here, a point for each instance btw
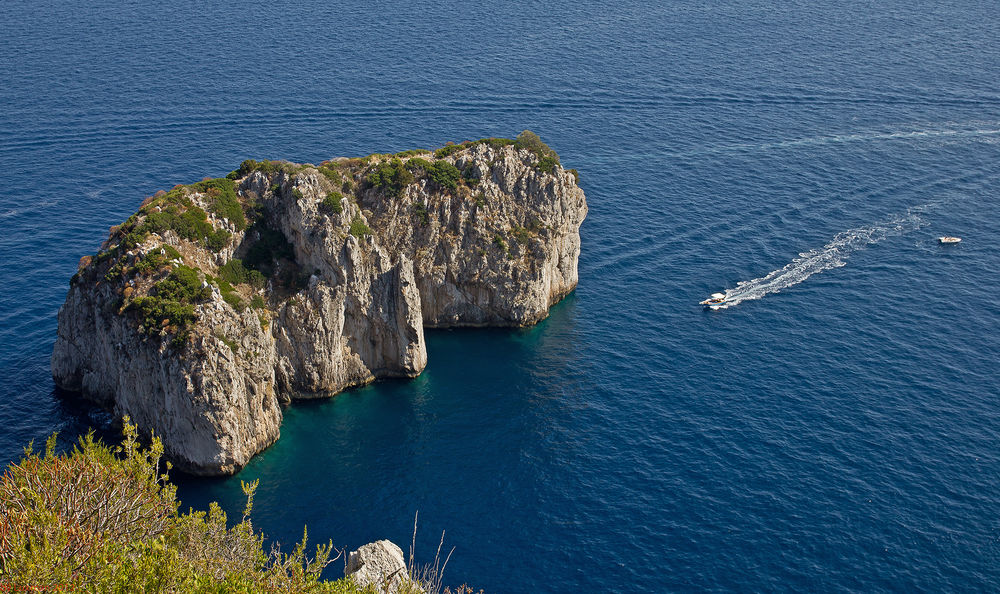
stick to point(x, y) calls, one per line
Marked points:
point(102, 519)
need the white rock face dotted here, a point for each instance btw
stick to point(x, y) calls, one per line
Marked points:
point(500, 257)
point(499, 249)
point(213, 406)
point(379, 564)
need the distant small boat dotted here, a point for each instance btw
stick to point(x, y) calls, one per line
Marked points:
point(949, 239)
point(714, 301)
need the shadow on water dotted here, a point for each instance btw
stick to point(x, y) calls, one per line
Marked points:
point(70, 417)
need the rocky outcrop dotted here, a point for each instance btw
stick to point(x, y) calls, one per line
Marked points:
point(219, 300)
point(380, 565)
point(500, 259)
point(212, 401)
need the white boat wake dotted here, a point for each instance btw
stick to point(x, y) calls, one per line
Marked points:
point(832, 255)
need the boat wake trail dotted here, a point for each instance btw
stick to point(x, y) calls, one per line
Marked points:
point(832, 255)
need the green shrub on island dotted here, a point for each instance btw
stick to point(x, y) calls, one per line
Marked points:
point(189, 222)
point(103, 519)
point(156, 314)
point(530, 141)
point(223, 284)
point(496, 142)
point(224, 204)
point(547, 158)
point(266, 167)
point(445, 175)
point(217, 240)
point(332, 203)
point(234, 300)
point(182, 284)
point(527, 140)
point(547, 164)
point(247, 167)
point(442, 173)
point(359, 228)
point(236, 273)
point(116, 271)
point(157, 258)
point(521, 235)
point(169, 306)
point(421, 211)
point(413, 152)
point(390, 177)
point(228, 292)
point(451, 149)
point(331, 174)
point(419, 165)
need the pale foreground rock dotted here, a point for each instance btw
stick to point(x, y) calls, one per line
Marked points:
point(380, 564)
point(342, 273)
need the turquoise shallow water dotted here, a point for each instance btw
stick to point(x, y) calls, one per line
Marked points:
point(836, 430)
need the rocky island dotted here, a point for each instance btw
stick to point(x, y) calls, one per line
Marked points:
point(219, 301)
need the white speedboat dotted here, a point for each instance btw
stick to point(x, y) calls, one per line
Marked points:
point(949, 239)
point(715, 300)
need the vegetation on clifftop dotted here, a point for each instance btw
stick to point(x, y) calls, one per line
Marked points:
point(333, 203)
point(224, 202)
point(169, 307)
point(221, 217)
point(391, 176)
point(359, 228)
point(547, 158)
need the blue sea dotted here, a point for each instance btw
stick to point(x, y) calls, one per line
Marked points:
point(837, 428)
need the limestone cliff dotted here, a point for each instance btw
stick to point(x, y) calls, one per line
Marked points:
point(219, 300)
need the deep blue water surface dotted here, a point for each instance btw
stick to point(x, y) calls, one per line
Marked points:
point(838, 429)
